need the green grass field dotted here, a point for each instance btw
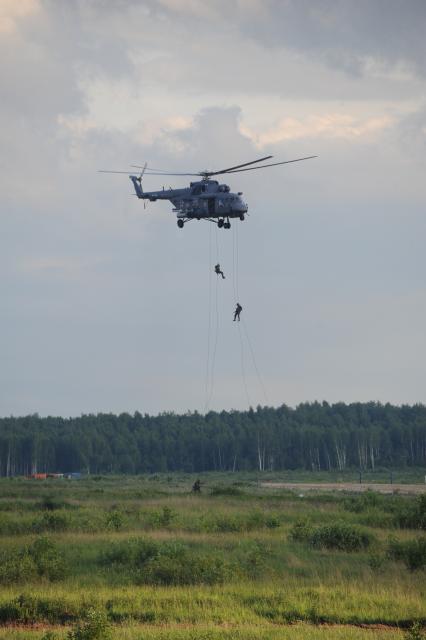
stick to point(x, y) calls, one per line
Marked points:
point(149, 559)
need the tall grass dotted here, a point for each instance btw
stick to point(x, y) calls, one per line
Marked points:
point(159, 562)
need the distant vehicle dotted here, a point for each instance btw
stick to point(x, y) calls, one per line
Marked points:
point(205, 199)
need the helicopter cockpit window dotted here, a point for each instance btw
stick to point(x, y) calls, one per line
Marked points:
point(196, 190)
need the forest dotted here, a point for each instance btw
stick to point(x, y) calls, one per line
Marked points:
point(312, 436)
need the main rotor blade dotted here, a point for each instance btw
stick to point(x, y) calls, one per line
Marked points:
point(149, 173)
point(138, 166)
point(273, 164)
point(215, 173)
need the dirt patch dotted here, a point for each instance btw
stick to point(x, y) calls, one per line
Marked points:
point(354, 487)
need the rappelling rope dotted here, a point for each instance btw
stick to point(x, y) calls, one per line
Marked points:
point(235, 263)
point(243, 371)
point(207, 381)
point(235, 283)
point(212, 339)
point(216, 334)
point(259, 377)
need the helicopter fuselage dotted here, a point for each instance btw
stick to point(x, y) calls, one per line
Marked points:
point(202, 200)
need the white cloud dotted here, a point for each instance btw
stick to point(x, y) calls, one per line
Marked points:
point(329, 126)
point(11, 12)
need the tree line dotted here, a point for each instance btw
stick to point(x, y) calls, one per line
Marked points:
point(312, 436)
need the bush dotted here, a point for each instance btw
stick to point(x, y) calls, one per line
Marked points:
point(362, 502)
point(413, 516)
point(132, 552)
point(241, 522)
point(115, 520)
point(26, 609)
point(51, 521)
point(167, 563)
point(49, 635)
point(163, 518)
point(227, 524)
point(42, 558)
point(340, 535)
point(47, 559)
point(301, 531)
point(415, 632)
point(411, 552)
point(183, 570)
point(17, 567)
point(94, 626)
point(376, 562)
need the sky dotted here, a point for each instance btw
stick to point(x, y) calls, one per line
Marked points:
point(109, 307)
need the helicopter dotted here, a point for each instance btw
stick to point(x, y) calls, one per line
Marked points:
point(204, 199)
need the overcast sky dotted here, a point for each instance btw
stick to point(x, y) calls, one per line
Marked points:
point(106, 306)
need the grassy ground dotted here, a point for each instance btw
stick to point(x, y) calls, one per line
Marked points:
point(156, 561)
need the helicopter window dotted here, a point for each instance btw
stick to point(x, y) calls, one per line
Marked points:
point(196, 190)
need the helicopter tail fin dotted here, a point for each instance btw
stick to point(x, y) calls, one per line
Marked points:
point(137, 182)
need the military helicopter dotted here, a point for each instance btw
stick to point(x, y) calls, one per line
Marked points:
point(204, 199)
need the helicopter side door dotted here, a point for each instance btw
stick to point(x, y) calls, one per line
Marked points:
point(211, 206)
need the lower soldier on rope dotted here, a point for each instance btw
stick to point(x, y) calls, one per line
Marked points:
point(237, 312)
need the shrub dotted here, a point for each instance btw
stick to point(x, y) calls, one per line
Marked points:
point(49, 635)
point(301, 531)
point(341, 536)
point(272, 521)
point(260, 519)
point(115, 520)
point(376, 562)
point(26, 609)
point(162, 518)
point(47, 559)
point(42, 558)
point(227, 524)
point(50, 521)
point(183, 570)
point(135, 551)
point(413, 516)
point(362, 502)
point(94, 626)
point(254, 559)
point(411, 552)
point(167, 563)
point(415, 632)
point(16, 567)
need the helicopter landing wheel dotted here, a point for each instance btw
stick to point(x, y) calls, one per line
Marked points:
point(242, 216)
point(220, 224)
point(227, 225)
point(180, 224)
